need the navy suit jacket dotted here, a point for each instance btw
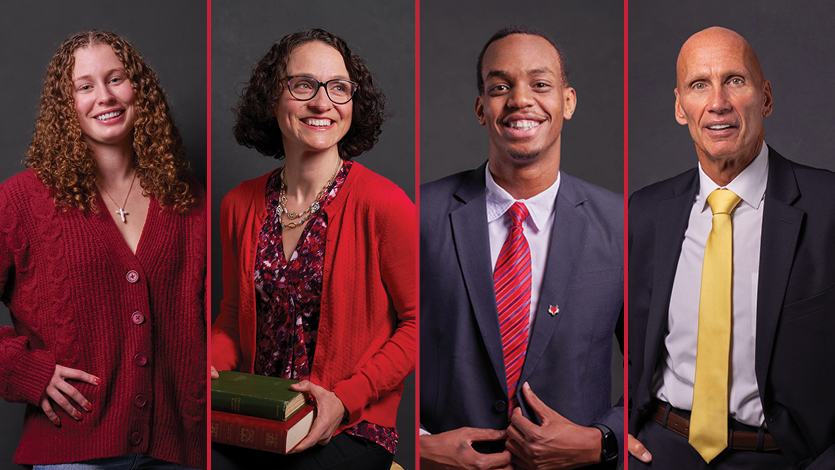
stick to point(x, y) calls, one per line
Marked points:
point(795, 345)
point(568, 359)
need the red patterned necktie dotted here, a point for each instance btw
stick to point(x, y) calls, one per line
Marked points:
point(512, 281)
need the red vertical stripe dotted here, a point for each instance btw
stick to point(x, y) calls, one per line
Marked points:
point(512, 284)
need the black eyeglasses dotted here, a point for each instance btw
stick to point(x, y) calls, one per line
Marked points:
point(304, 88)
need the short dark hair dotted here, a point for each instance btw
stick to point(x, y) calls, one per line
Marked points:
point(520, 29)
point(256, 125)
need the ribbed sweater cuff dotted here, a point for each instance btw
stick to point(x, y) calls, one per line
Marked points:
point(354, 393)
point(31, 376)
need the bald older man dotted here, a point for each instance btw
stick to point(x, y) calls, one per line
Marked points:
point(732, 286)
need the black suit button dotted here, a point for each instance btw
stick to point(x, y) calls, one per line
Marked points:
point(500, 405)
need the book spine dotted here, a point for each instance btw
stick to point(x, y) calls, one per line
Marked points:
point(250, 435)
point(249, 405)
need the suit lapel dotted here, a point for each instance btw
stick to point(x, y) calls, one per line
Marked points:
point(780, 231)
point(567, 235)
point(472, 246)
point(670, 225)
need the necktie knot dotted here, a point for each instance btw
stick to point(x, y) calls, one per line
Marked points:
point(723, 201)
point(518, 213)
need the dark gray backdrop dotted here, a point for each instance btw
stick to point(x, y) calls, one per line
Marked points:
point(379, 31)
point(171, 36)
point(794, 43)
point(591, 36)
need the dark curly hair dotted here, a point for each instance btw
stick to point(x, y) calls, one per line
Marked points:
point(257, 127)
point(520, 29)
point(60, 156)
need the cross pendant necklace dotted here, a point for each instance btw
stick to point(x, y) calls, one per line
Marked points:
point(121, 211)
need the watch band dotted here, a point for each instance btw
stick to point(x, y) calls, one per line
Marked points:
point(609, 448)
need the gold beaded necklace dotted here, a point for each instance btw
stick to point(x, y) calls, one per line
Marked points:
point(303, 216)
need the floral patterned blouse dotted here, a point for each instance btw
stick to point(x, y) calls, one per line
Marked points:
point(288, 299)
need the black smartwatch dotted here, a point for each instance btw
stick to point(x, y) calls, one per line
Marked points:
point(609, 452)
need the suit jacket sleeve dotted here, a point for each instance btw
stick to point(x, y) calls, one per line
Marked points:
point(613, 418)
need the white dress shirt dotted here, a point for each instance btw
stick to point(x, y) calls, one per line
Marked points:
point(537, 228)
point(674, 379)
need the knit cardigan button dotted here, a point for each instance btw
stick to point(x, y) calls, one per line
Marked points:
point(135, 438)
point(140, 401)
point(140, 359)
point(137, 318)
point(132, 276)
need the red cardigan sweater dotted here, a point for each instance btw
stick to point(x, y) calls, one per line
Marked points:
point(80, 298)
point(366, 342)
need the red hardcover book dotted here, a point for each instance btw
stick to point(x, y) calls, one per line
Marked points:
point(260, 433)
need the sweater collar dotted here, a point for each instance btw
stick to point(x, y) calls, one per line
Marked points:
point(342, 195)
point(334, 206)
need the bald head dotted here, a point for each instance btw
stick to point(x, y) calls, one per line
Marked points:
point(714, 43)
point(722, 96)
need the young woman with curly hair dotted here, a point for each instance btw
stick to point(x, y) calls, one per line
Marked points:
point(102, 266)
point(319, 257)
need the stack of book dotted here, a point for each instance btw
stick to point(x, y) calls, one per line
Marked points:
point(258, 412)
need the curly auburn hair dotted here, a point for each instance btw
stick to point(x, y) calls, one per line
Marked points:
point(256, 125)
point(60, 156)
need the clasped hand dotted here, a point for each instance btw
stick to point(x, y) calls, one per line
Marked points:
point(637, 450)
point(58, 390)
point(556, 444)
point(330, 412)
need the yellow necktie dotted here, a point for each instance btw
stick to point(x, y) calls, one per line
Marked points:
point(709, 418)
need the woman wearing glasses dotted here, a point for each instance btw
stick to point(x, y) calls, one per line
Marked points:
point(319, 255)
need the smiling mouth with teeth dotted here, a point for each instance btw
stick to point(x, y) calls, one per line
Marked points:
point(318, 122)
point(719, 127)
point(111, 115)
point(522, 125)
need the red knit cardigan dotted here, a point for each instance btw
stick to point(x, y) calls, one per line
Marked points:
point(367, 324)
point(80, 298)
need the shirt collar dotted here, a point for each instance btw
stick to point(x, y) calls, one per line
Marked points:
point(539, 207)
point(748, 185)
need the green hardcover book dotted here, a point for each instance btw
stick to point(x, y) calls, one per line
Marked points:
point(255, 395)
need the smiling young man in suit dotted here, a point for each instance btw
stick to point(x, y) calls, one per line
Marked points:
point(521, 284)
point(731, 286)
